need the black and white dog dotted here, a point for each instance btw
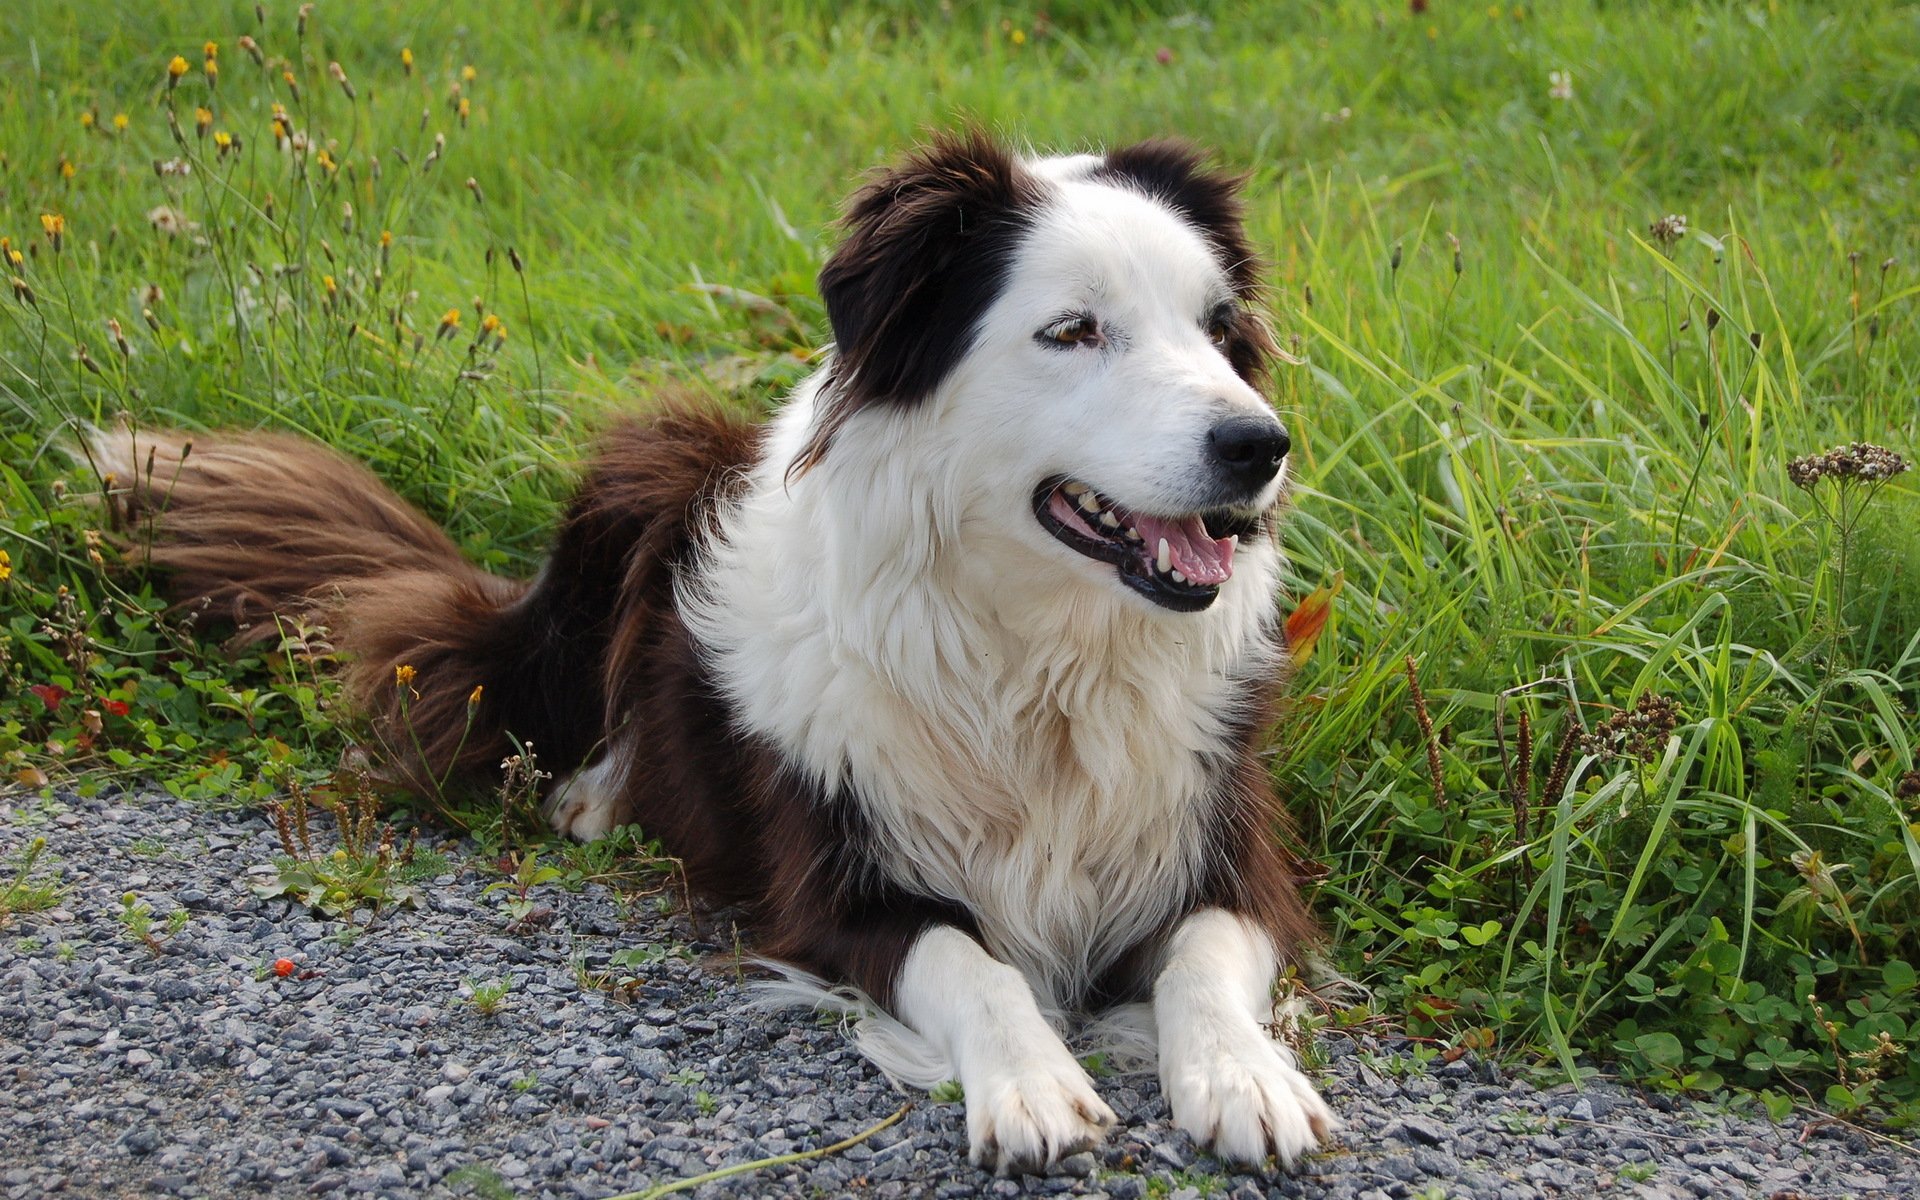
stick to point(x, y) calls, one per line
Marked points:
point(952, 677)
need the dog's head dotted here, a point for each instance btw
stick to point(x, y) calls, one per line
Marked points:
point(1080, 332)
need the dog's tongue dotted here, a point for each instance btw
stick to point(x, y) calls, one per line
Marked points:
point(1202, 559)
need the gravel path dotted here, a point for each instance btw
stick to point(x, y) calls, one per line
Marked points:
point(196, 1071)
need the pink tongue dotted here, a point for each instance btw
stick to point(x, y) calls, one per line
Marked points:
point(1201, 559)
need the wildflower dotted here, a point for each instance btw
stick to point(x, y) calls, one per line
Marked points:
point(448, 324)
point(120, 122)
point(300, 24)
point(473, 185)
point(50, 694)
point(464, 108)
point(88, 119)
point(283, 967)
point(211, 49)
point(6, 573)
point(403, 675)
point(491, 324)
point(1560, 85)
point(212, 70)
point(326, 161)
point(406, 59)
point(12, 256)
point(1163, 55)
point(175, 70)
point(281, 132)
point(386, 238)
point(1639, 732)
point(168, 219)
point(293, 85)
point(224, 141)
point(55, 227)
point(1668, 230)
point(67, 169)
point(22, 292)
point(1861, 460)
point(473, 697)
point(253, 50)
point(332, 288)
point(1019, 37)
point(202, 121)
point(340, 77)
point(468, 74)
point(118, 708)
point(119, 337)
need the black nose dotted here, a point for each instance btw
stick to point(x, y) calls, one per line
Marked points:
point(1249, 449)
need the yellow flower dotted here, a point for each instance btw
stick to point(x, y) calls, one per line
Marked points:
point(176, 68)
point(6, 573)
point(403, 675)
point(406, 58)
point(466, 106)
point(468, 74)
point(386, 237)
point(53, 225)
point(326, 160)
point(326, 281)
point(473, 697)
point(223, 140)
point(87, 119)
point(213, 71)
point(451, 320)
point(490, 324)
point(202, 120)
point(1019, 37)
point(67, 169)
point(119, 122)
point(211, 49)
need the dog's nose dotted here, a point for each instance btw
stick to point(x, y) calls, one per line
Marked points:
point(1249, 449)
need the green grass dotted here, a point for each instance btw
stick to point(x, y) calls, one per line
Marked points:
point(1548, 466)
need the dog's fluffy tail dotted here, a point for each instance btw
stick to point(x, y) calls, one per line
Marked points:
point(263, 529)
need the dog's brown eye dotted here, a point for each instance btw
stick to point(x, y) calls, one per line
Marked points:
point(1219, 329)
point(1072, 331)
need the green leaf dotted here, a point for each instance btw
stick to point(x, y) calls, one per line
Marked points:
point(1661, 1049)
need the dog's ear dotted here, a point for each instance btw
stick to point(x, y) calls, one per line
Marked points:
point(927, 248)
point(1208, 198)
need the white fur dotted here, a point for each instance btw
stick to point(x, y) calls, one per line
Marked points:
point(1227, 1081)
point(1028, 1102)
point(1025, 734)
point(582, 805)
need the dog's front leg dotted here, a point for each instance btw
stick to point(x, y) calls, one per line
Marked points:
point(1228, 1082)
point(1029, 1103)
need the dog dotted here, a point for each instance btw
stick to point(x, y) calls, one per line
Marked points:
point(952, 677)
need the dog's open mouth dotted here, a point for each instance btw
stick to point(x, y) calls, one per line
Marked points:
point(1176, 562)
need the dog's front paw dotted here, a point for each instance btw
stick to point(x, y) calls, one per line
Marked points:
point(1029, 1117)
point(1242, 1096)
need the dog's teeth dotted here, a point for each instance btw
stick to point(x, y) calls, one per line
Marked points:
point(1109, 521)
point(1074, 488)
point(1133, 535)
point(1088, 504)
point(1176, 576)
point(1163, 558)
point(1233, 541)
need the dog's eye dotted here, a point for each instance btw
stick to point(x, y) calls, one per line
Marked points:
point(1071, 331)
point(1219, 329)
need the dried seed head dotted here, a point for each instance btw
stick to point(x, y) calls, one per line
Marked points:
point(1909, 786)
point(1713, 319)
point(513, 260)
point(1638, 733)
point(1860, 461)
point(340, 77)
point(1668, 230)
point(253, 50)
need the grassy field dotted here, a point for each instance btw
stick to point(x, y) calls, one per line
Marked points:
point(1652, 799)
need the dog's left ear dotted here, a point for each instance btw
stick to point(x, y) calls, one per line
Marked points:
point(1207, 198)
point(927, 249)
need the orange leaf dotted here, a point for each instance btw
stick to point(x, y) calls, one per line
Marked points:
point(1309, 617)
